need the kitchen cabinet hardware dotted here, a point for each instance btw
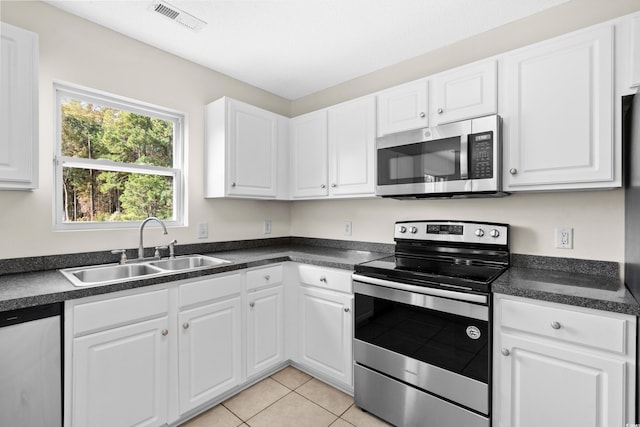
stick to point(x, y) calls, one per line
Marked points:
point(440, 111)
point(165, 332)
point(233, 184)
point(346, 309)
point(505, 352)
point(513, 171)
point(252, 304)
point(334, 185)
point(422, 115)
point(323, 279)
point(267, 277)
point(323, 186)
point(185, 325)
point(555, 325)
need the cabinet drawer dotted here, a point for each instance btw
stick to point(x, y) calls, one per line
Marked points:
point(264, 277)
point(327, 278)
point(209, 289)
point(98, 315)
point(594, 330)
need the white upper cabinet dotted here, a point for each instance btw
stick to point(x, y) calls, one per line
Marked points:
point(242, 144)
point(464, 93)
point(333, 151)
point(352, 143)
point(558, 117)
point(18, 109)
point(635, 55)
point(309, 155)
point(403, 108)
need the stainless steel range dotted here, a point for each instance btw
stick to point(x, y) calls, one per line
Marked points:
point(422, 340)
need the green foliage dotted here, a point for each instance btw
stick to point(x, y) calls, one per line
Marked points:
point(94, 132)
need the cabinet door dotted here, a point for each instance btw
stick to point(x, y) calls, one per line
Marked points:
point(465, 93)
point(265, 329)
point(253, 139)
point(635, 51)
point(209, 352)
point(544, 385)
point(326, 333)
point(403, 108)
point(120, 376)
point(18, 108)
point(309, 153)
point(352, 148)
point(558, 118)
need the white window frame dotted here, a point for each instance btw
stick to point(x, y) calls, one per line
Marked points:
point(177, 172)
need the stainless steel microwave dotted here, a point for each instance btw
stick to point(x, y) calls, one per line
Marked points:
point(461, 159)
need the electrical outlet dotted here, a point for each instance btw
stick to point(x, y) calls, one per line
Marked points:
point(347, 228)
point(267, 226)
point(564, 238)
point(203, 230)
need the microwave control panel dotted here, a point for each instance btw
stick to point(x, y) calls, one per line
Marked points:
point(481, 155)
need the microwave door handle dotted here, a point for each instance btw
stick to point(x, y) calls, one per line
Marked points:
point(464, 157)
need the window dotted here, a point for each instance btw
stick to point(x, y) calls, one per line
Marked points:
point(117, 161)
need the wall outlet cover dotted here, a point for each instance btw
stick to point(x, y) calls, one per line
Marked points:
point(564, 238)
point(267, 226)
point(347, 228)
point(203, 230)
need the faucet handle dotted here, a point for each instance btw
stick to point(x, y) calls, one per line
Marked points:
point(172, 247)
point(157, 252)
point(123, 255)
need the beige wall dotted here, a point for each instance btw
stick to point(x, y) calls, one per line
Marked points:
point(80, 52)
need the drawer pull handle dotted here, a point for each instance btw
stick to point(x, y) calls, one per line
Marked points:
point(346, 309)
point(165, 332)
point(555, 325)
point(267, 277)
point(505, 352)
point(251, 304)
point(185, 325)
point(323, 279)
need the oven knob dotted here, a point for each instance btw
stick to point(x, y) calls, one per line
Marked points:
point(494, 233)
point(402, 229)
point(413, 230)
point(479, 232)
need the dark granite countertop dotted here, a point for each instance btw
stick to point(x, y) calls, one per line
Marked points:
point(578, 283)
point(42, 287)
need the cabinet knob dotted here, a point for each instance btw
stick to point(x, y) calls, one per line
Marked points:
point(513, 171)
point(346, 309)
point(440, 111)
point(233, 184)
point(555, 325)
point(164, 332)
point(505, 352)
point(334, 185)
point(267, 277)
point(252, 304)
point(185, 325)
point(422, 115)
point(323, 279)
point(323, 186)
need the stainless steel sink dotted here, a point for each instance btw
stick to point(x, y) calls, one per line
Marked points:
point(108, 274)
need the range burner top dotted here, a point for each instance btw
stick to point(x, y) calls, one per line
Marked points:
point(454, 254)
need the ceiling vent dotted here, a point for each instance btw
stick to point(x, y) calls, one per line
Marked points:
point(177, 15)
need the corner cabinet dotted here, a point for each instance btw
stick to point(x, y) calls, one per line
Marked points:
point(558, 115)
point(245, 151)
point(557, 365)
point(18, 108)
point(333, 151)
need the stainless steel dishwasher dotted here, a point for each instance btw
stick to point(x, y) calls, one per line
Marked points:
point(31, 367)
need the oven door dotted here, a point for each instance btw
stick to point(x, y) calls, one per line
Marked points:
point(422, 161)
point(439, 345)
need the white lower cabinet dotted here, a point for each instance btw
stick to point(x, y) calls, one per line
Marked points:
point(326, 325)
point(560, 366)
point(265, 332)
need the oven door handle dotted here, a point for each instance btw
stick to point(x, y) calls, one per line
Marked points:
point(460, 296)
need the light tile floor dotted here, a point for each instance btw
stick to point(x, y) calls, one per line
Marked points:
point(288, 398)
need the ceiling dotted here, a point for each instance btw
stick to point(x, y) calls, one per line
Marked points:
point(293, 48)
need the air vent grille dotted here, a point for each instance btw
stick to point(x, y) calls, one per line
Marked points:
point(177, 15)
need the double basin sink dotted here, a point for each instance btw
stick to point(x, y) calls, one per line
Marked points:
point(115, 273)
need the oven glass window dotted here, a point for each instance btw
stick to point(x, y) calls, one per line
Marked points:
point(452, 342)
point(431, 161)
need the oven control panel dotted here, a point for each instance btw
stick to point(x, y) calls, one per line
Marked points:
point(453, 231)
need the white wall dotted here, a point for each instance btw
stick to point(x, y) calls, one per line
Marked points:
point(80, 52)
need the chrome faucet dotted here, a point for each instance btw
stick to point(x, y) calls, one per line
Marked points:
point(141, 246)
